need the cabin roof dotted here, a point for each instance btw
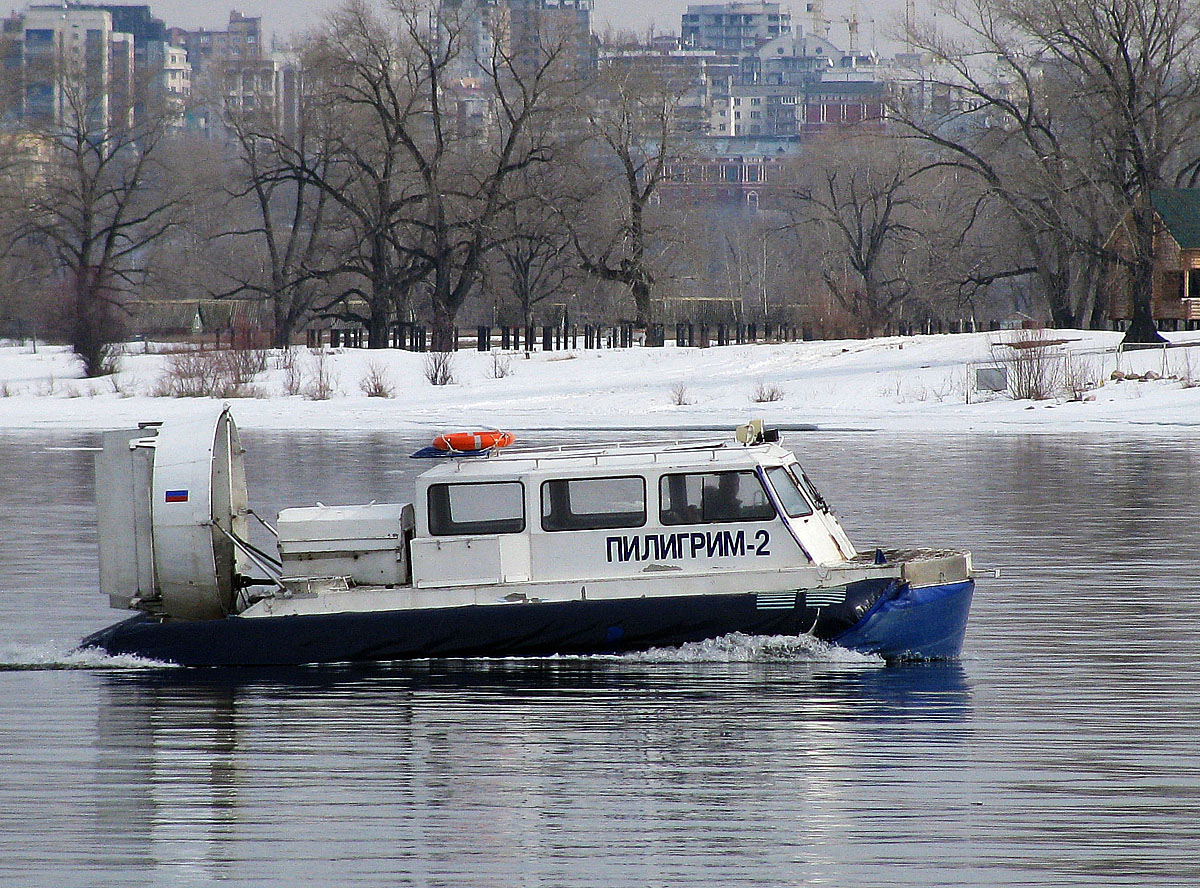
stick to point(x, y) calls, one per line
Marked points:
point(613, 459)
point(1179, 209)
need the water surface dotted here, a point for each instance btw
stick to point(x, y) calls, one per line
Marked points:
point(1062, 749)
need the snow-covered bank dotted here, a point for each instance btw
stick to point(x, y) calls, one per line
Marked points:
point(911, 384)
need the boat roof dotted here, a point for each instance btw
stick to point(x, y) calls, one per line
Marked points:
point(635, 456)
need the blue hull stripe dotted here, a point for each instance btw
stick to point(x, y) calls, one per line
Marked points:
point(872, 609)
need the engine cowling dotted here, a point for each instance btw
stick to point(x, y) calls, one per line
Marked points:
point(170, 498)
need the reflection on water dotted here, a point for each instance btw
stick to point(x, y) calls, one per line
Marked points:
point(1062, 749)
point(494, 772)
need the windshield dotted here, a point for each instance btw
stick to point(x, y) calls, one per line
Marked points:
point(790, 497)
point(808, 487)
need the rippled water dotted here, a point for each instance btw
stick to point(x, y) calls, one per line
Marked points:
point(1062, 749)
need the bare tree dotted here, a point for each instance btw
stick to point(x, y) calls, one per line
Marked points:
point(1010, 162)
point(970, 261)
point(859, 198)
point(362, 102)
point(532, 256)
point(25, 263)
point(637, 124)
point(417, 178)
point(288, 212)
point(103, 198)
point(1091, 106)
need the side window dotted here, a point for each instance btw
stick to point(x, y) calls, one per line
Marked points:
point(790, 497)
point(710, 497)
point(490, 507)
point(593, 503)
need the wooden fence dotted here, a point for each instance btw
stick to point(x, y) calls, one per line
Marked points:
point(415, 337)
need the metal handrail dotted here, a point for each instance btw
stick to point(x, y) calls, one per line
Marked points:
point(564, 451)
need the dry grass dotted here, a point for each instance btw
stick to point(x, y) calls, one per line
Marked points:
point(216, 373)
point(1078, 377)
point(1033, 362)
point(293, 373)
point(377, 383)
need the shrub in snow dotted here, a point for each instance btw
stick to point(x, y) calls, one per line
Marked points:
point(243, 364)
point(321, 382)
point(1184, 372)
point(501, 367)
point(377, 383)
point(1079, 377)
point(1036, 365)
point(288, 360)
point(439, 368)
point(224, 373)
point(766, 392)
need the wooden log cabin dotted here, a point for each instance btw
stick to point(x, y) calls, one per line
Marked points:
point(1175, 303)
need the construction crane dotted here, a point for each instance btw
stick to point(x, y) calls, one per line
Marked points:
point(851, 22)
point(818, 23)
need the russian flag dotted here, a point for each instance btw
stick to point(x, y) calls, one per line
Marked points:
point(177, 496)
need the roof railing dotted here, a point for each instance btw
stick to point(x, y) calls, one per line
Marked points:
point(566, 451)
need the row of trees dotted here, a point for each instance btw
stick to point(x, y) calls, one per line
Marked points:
point(1074, 112)
point(406, 188)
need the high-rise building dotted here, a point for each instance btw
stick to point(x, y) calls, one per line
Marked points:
point(734, 27)
point(520, 30)
point(109, 57)
point(175, 72)
point(539, 24)
point(66, 58)
point(241, 40)
point(232, 71)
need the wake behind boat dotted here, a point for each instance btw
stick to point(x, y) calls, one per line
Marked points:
point(502, 552)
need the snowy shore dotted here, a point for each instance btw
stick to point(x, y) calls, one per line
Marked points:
point(911, 384)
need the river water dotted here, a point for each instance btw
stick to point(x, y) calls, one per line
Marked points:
point(1063, 749)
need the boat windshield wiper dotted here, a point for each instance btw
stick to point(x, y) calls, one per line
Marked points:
point(809, 488)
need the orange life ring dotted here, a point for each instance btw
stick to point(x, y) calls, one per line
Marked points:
point(462, 442)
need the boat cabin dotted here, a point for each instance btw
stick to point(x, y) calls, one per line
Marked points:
point(577, 514)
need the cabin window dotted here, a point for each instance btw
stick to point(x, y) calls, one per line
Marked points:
point(489, 507)
point(707, 497)
point(593, 503)
point(790, 498)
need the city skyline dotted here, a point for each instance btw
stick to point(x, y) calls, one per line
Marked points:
point(285, 19)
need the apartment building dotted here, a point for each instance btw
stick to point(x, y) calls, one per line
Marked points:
point(106, 56)
point(734, 27)
point(233, 71)
point(241, 40)
point(66, 58)
point(520, 30)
